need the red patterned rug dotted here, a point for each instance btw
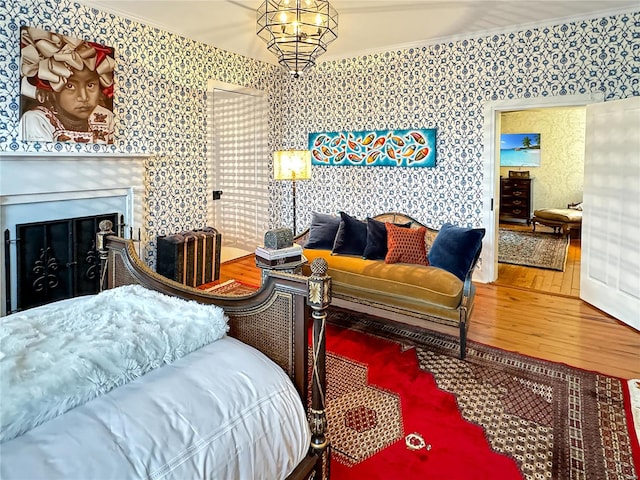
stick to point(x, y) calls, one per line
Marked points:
point(401, 405)
point(232, 288)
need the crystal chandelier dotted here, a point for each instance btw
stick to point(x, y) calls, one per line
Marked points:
point(297, 31)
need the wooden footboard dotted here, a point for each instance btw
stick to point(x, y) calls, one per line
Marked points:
point(274, 320)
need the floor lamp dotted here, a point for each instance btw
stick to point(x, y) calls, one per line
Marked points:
point(292, 165)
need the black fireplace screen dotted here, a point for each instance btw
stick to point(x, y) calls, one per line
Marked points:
point(57, 259)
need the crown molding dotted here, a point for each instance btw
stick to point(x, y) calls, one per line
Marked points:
point(328, 57)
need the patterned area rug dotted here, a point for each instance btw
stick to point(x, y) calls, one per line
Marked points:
point(533, 249)
point(232, 288)
point(552, 420)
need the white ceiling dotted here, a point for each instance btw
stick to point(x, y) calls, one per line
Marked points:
point(364, 26)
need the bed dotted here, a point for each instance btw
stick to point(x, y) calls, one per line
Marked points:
point(197, 386)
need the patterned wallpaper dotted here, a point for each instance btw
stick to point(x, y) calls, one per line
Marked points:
point(445, 87)
point(161, 101)
point(559, 179)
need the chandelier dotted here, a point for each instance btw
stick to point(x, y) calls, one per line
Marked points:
point(297, 31)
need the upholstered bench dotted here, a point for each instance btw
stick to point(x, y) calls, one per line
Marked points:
point(565, 219)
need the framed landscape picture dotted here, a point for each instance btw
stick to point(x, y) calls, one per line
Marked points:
point(66, 88)
point(520, 150)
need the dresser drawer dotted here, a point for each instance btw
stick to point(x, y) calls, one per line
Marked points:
point(510, 184)
point(518, 202)
point(515, 212)
point(517, 193)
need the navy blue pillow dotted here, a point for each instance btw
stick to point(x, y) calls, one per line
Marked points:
point(455, 248)
point(351, 237)
point(323, 230)
point(376, 244)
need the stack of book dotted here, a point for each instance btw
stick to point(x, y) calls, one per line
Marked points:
point(280, 257)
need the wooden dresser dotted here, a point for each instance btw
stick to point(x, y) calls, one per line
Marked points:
point(515, 200)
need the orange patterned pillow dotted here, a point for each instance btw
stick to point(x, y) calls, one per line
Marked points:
point(406, 245)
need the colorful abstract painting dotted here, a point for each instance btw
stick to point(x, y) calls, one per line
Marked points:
point(384, 148)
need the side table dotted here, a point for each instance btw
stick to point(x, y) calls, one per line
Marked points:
point(295, 268)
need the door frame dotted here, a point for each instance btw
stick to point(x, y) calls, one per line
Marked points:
point(227, 252)
point(487, 270)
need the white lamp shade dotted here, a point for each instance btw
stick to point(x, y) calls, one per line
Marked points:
point(292, 165)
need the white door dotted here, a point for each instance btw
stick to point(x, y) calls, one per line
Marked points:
point(239, 170)
point(610, 268)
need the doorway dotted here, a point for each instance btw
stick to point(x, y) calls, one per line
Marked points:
point(488, 268)
point(565, 282)
point(238, 167)
point(550, 177)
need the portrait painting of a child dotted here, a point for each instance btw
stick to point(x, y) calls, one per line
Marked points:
point(66, 88)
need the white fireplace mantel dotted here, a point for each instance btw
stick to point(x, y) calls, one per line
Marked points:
point(20, 174)
point(123, 155)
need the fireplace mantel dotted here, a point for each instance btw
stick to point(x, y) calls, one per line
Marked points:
point(75, 155)
point(46, 173)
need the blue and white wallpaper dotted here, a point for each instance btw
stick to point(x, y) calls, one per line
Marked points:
point(445, 87)
point(160, 108)
point(159, 101)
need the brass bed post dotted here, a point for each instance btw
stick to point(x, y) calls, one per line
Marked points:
point(319, 299)
point(105, 229)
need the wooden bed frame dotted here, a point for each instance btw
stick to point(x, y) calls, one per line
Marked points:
point(274, 320)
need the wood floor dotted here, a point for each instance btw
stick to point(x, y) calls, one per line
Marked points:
point(551, 324)
point(550, 281)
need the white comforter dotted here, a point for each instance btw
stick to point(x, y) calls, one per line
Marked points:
point(222, 412)
point(61, 355)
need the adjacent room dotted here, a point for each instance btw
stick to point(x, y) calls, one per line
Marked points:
point(541, 256)
point(310, 239)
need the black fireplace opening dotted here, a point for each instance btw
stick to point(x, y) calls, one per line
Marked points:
point(57, 259)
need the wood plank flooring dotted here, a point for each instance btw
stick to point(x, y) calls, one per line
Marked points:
point(551, 325)
point(540, 279)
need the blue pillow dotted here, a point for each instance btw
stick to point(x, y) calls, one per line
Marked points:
point(351, 237)
point(323, 230)
point(455, 248)
point(376, 244)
